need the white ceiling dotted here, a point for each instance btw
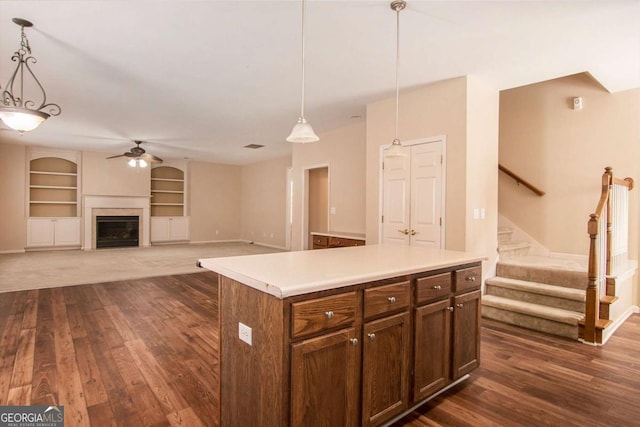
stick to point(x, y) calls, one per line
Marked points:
point(202, 79)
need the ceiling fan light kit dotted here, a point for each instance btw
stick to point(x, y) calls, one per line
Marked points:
point(396, 149)
point(302, 131)
point(15, 111)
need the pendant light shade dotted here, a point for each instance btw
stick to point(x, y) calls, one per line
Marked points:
point(302, 131)
point(396, 149)
point(15, 111)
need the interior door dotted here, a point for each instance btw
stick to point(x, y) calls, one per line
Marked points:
point(396, 206)
point(412, 196)
point(426, 194)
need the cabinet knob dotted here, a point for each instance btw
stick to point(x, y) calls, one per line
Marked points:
point(437, 287)
point(329, 314)
point(471, 278)
point(371, 336)
point(391, 299)
point(354, 341)
point(450, 309)
point(460, 305)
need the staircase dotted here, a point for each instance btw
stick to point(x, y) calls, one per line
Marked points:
point(542, 293)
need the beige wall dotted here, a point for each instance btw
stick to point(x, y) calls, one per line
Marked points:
point(13, 224)
point(482, 167)
point(264, 203)
point(343, 151)
point(563, 152)
point(113, 177)
point(214, 200)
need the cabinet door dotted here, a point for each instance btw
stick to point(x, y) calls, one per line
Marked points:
point(325, 377)
point(67, 231)
point(466, 333)
point(159, 229)
point(40, 233)
point(432, 349)
point(385, 371)
point(179, 228)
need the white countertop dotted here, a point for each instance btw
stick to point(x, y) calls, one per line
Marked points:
point(286, 274)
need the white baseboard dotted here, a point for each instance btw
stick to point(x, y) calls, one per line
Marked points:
point(618, 322)
point(203, 242)
point(13, 251)
point(266, 245)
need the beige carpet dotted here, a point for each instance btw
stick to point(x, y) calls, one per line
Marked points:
point(35, 270)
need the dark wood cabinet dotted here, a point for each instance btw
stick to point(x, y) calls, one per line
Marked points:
point(466, 333)
point(432, 358)
point(358, 355)
point(385, 368)
point(325, 379)
point(447, 332)
point(328, 241)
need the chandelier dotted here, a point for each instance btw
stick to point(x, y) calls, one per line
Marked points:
point(16, 111)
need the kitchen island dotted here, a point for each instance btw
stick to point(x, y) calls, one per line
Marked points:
point(346, 336)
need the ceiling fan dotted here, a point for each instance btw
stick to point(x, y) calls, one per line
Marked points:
point(138, 156)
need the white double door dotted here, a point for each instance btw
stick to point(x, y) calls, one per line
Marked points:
point(412, 196)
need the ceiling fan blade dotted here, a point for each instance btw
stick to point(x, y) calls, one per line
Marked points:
point(119, 155)
point(151, 158)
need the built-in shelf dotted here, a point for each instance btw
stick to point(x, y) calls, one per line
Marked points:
point(53, 184)
point(167, 191)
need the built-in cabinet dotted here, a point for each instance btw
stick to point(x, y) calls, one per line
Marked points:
point(53, 198)
point(359, 356)
point(169, 220)
point(336, 240)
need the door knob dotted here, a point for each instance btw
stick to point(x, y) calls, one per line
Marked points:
point(405, 231)
point(414, 232)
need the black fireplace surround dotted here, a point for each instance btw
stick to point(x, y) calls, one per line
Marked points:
point(117, 231)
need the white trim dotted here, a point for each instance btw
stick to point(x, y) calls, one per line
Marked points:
point(12, 251)
point(611, 329)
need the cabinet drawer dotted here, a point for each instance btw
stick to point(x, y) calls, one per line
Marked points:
point(339, 242)
point(387, 298)
point(433, 288)
point(308, 317)
point(468, 278)
point(320, 242)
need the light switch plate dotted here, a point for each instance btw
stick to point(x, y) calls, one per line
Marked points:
point(244, 332)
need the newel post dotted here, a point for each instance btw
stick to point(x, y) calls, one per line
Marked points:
point(592, 304)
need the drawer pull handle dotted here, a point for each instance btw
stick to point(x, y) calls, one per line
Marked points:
point(471, 278)
point(391, 299)
point(437, 287)
point(329, 314)
point(450, 309)
point(354, 341)
point(372, 336)
point(459, 305)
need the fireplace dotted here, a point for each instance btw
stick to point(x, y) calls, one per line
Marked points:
point(117, 231)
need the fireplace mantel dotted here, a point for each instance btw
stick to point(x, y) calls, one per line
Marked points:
point(93, 205)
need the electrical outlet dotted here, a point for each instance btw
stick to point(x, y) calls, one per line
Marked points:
point(244, 332)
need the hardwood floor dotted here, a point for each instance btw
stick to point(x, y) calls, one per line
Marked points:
point(143, 353)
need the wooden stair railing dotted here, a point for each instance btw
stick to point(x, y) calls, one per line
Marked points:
point(607, 243)
point(519, 180)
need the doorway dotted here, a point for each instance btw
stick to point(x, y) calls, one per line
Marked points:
point(317, 202)
point(413, 195)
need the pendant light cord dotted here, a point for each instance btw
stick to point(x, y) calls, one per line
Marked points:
point(302, 97)
point(397, 65)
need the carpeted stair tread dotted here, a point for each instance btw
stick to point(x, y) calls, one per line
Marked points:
point(538, 288)
point(512, 245)
point(570, 273)
point(536, 310)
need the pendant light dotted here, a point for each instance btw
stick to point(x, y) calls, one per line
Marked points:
point(302, 131)
point(396, 149)
point(15, 111)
